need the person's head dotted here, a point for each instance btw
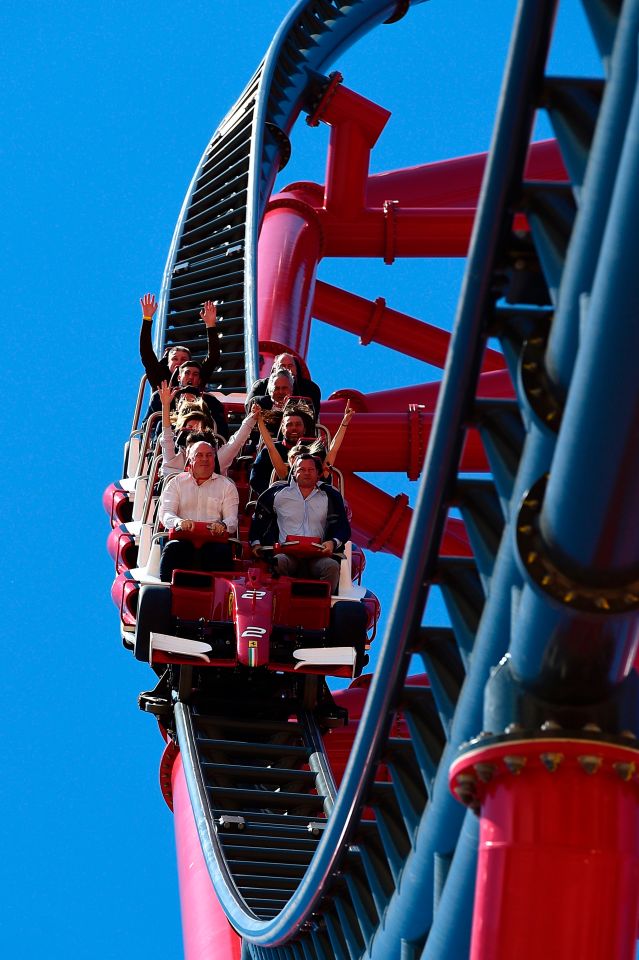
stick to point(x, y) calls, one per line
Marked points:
point(286, 361)
point(292, 428)
point(304, 411)
point(306, 471)
point(178, 355)
point(190, 374)
point(296, 452)
point(193, 420)
point(200, 460)
point(280, 386)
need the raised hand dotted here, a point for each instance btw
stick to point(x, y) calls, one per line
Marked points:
point(149, 305)
point(208, 313)
point(348, 413)
point(166, 394)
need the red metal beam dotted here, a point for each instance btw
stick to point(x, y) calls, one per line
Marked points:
point(395, 443)
point(374, 322)
point(380, 522)
point(496, 384)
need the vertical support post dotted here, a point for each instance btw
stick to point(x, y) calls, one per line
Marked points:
point(206, 931)
point(558, 848)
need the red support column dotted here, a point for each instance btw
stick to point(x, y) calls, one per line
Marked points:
point(380, 522)
point(206, 931)
point(288, 253)
point(558, 868)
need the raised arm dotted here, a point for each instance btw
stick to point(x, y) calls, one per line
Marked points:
point(208, 314)
point(166, 395)
point(336, 442)
point(227, 453)
point(151, 364)
point(280, 467)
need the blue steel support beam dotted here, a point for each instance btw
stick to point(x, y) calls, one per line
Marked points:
point(590, 518)
point(594, 199)
point(410, 913)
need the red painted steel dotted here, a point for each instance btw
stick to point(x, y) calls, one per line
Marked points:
point(356, 124)
point(381, 522)
point(374, 322)
point(559, 849)
point(496, 385)
point(456, 182)
point(395, 442)
point(289, 250)
point(207, 933)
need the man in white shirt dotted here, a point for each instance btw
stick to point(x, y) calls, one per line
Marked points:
point(198, 495)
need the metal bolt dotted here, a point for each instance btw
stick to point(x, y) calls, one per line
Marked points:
point(466, 788)
point(551, 760)
point(515, 764)
point(624, 770)
point(628, 735)
point(485, 771)
point(514, 728)
point(589, 763)
point(550, 725)
point(592, 727)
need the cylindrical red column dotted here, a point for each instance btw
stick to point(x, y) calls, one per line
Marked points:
point(288, 252)
point(395, 442)
point(558, 867)
point(381, 522)
point(206, 931)
point(376, 322)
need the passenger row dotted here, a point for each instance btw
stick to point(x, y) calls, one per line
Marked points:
point(183, 451)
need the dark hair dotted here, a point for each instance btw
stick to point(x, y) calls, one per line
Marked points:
point(298, 366)
point(191, 363)
point(301, 410)
point(177, 346)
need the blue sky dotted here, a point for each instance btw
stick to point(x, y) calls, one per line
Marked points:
point(106, 110)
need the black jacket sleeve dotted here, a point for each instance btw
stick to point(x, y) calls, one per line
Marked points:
point(337, 525)
point(264, 521)
point(156, 370)
point(212, 357)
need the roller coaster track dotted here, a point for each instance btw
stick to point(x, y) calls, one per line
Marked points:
point(400, 883)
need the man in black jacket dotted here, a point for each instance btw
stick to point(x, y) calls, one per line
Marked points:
point(307, 508)
point(166, 369)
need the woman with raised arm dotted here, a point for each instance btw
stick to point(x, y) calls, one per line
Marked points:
point(172, 444)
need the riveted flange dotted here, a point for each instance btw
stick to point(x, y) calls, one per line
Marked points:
point(538, 387)
point(481, 766)
point(282, 141)
point(612, 598)
point(324, 91)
